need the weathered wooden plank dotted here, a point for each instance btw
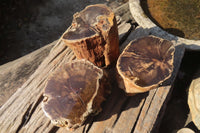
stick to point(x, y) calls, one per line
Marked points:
point(15, 73)
point(130, 113)
point(120, 113)
point(21, 106)
point(22, 112)
point(140, 118)
point(124, 12)
point(137, 113)
point(115, 104)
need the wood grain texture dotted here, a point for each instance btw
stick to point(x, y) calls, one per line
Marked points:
point(15, 73)
point(22, 112)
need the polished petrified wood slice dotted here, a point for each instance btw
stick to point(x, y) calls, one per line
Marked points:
point(145, 63)
point(93, 35)
point(194, 101)
point(73, 92)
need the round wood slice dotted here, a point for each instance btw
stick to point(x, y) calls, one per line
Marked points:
point(93, 35)
point(73, 92)
point(145, 63)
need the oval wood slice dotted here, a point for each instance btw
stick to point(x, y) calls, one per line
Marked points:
point(93, 35)
point(73, 92)
point(145, 63)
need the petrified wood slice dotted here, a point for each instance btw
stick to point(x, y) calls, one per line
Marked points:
point(73, 92)
point(93, 35)
point(145, 63)
point(194, 101)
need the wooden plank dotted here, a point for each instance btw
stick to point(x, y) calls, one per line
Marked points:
point(152, 106)
point(22, 112)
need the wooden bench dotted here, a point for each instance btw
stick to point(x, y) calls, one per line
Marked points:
point(121, 114)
